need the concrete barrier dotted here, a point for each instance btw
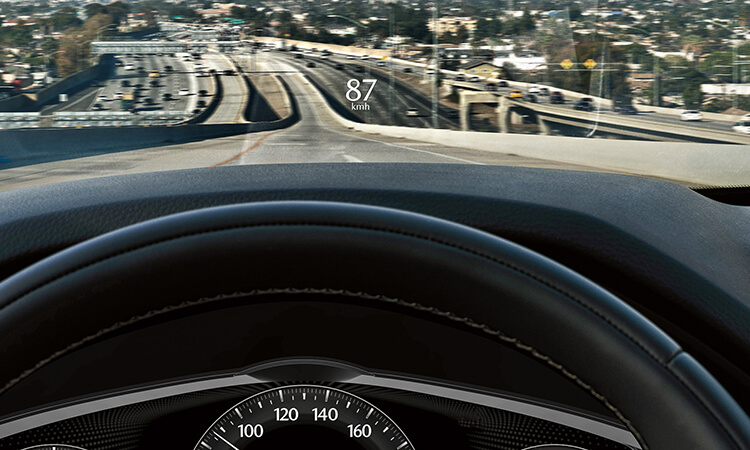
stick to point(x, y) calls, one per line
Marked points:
point(212, 105)
point(17, 103)
point(258, 108)
point(76, 81)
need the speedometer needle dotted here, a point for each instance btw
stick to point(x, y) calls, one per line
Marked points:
point(228, 443)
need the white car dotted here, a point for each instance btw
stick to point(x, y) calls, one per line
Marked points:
point(473, 78)
point(129, 67)
point(183, 91)
point(535, 90)
point(743, 126)
point(102, 98)
point(412, 112)
point(364, 57)
point(349, 56)
point(117, 95)
point(691, 115)
point(430, 71)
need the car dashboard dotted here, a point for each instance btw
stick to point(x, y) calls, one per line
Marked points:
point(238, 375)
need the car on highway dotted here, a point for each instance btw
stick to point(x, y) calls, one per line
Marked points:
point(743, 126)
point(364, 57)
point(154, 74)
point(534, 89)
point(117, 95)
point(168, 68)
point(154, 83)
point(125, 83)
point(203, 93)
point(310, 64)
point(323, 271)
point(502, 84)
point(380, 63)
point(298, 56)
point(584, 104)
point(148, 101)
point(544, 91)
point(350, 57)
point(556, 97)
point(474, 79)
point(229, 72)
point(339, 66)
point(532, 98)
point(490, 87)
point(129, 67)
point(201, 104)
point(408, 70)
point(97, 107)
point(460, 77)
point(627, 109)
point(691, 115)
point(412, 112)
point(515, 94)
point(166, 96)
point(102, 98)
point(359, 69)
point(183, 91)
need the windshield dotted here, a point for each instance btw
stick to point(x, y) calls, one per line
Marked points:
point(652, 89)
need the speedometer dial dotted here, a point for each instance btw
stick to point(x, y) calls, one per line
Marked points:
point(304, 416)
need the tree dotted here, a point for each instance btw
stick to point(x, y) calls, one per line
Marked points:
point(65, 17)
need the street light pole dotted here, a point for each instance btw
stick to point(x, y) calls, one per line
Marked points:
point(391, 80)
point(436, 75)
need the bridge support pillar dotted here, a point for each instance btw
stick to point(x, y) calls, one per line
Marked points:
point(464, 111)
point(503, 115)
point(544, 126)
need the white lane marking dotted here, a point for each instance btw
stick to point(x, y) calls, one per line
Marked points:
point(352, 159)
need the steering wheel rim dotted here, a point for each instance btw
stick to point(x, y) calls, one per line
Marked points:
point(660, 392)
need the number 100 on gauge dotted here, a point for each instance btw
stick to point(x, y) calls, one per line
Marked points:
point(304, 416)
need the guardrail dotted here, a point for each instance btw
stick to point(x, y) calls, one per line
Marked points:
point(15, 120)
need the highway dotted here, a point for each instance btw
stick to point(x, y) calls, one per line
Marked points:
point(232, 107)
point(148, 92)
point(334, 80)
point(317, 137)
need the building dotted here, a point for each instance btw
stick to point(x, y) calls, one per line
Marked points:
point(480, 68)
point(451, 24)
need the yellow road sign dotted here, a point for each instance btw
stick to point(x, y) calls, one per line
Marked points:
point(589, 64)
point(566, 64)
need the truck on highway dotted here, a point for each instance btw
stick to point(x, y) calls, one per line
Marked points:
point(126, 102)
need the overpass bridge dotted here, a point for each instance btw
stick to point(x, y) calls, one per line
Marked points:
point(155, 47)
point(639, 127)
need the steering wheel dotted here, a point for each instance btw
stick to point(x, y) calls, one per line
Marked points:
point(403, 260)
